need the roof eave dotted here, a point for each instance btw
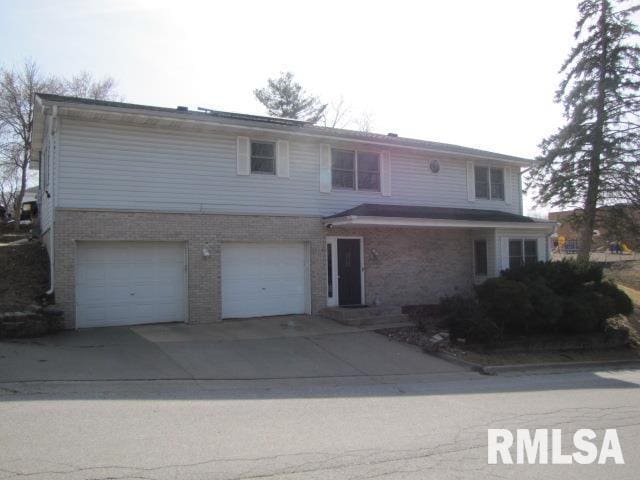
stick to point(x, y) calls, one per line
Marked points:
point(357, 220)
point(523, 162)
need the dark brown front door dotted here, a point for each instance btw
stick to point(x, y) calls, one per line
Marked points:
point(349, 271)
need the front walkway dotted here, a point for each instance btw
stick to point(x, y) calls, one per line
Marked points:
point(263, 348)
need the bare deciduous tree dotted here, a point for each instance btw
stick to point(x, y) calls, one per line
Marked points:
point(337, 114)
point(84, 85)
point(365, 122)
point(17, 94)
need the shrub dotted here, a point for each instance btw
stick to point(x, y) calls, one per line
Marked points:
point(540, 297)
point(507, 303)
point(465, 319)
point(583, 312)
point(547, 307)
point(622, 303)
point(564, 278)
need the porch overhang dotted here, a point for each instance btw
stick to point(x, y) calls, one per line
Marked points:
point(435, 217)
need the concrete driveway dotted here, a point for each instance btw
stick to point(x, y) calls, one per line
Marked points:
point(263, 348)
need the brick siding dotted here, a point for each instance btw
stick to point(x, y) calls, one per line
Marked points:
point(198, 231)
point(412, 266)
point(402, 265)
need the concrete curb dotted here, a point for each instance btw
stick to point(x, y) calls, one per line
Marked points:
point(530, 367)
point(476, 367)
point(590, 365)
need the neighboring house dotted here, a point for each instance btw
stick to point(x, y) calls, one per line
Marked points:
point(29, 209)
point(614, 223)
point(154, 214)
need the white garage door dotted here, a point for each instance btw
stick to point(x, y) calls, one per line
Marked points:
point(263, 279)
point(127, 283)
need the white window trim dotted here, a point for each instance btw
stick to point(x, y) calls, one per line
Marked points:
point(356, 187)
point(504, 182)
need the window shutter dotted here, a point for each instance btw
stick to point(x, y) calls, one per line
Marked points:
point(244, 156)
point(385, 174)
point(504, 253)
point(325, 168)
point(508, 189)
point(471, 182)
point(282, 158)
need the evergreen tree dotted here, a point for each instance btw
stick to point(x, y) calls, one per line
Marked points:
point(284, 97)
point(593, 159)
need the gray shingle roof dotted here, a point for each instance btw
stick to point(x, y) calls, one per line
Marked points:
point(433, 213)
point(292, 126)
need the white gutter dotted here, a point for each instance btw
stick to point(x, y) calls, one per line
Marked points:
point(355, 220)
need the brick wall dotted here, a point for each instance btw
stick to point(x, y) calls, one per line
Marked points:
point(408, 266)
point(198, 231)
point(403, 266)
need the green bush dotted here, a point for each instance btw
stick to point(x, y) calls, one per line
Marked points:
point(553, 296)
point(622, 303)
point(464, 319)
point(584, 312)
point(563, 278)
point(540, 297)
point(507, 303)
point(547, 307)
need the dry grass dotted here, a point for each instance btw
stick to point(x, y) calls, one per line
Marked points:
point(625, 274)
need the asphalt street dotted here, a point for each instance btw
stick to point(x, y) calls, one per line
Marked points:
point(409, 427)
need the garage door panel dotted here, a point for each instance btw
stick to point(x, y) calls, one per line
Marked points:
point(115, 273)
point(124, 283)
point(87, 275)
point(263, 279)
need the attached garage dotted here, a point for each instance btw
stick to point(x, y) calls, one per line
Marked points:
point(261, 279)
point(128, 283)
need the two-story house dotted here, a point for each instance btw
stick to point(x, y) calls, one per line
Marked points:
point(158, 215)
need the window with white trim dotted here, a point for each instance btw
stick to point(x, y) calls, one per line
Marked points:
point(522, 252)
point(355, 170)
point(263, 157)
point(489, 182)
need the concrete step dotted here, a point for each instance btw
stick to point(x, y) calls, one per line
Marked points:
point(370, 321)
point(366, 316)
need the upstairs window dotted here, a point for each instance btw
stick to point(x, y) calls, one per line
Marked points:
point(522, 252)
point(343, 168)
point(355, 170)
point(489, 182)
point(263, 157)
point(368, 171)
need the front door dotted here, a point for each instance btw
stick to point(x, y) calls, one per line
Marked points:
point(349, 272)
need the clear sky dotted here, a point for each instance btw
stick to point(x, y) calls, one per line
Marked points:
point(478, 73)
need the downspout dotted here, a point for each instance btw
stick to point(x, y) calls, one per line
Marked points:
point(50, 171)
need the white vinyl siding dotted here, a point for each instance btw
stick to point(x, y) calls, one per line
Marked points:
point(118, 166)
